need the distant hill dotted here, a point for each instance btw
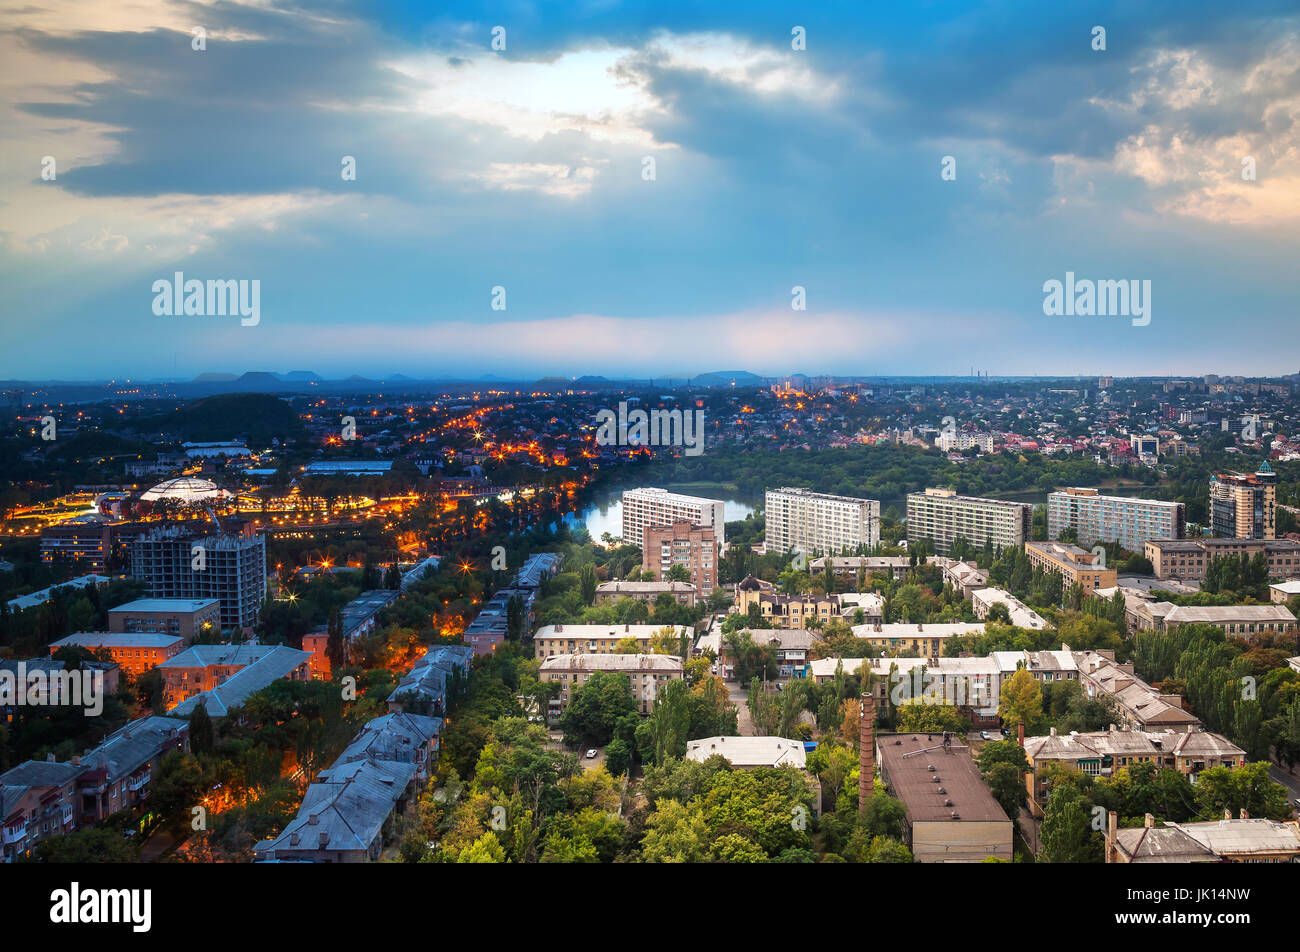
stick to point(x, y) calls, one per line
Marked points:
point(256, 417)
point(215, 378)
point(300, 376)
point(726, 378)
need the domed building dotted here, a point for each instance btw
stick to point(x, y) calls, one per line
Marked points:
point(185, 491)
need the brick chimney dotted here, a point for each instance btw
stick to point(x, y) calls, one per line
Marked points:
point(866, 750)
point(1244, 815)
point(1149, 821)
point(1020, 734)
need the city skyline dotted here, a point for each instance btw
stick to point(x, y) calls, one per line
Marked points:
point(790, 151)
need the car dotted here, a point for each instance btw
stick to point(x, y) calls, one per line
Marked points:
point(591, 754)
point(984, 735)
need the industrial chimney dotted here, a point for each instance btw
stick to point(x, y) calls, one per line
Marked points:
point(866, 750)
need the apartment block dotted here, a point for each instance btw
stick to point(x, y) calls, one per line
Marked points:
point(600, 639)
point(183, 563)
point(650, 506)
point(819, 523)
point(1076, 566)
point(941, 515)
point(681, 592)
point(694, 547)
point(1190, 558)
point(1244, 506)
point(786, 611)
point(646, 673)
point(185, 617)
point(134, 652)
point(206, 669)
point(1098, 518)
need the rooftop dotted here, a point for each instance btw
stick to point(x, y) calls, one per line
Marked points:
point(936, 783)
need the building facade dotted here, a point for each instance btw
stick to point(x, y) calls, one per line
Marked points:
point(1128, 521)
point(180, 563)
point(694, 547)
point(649, 506)
point(646, 673)
point(184, 617)
point(1075, 565)
point(819, 523)
point(941, 515)
point(1190, 558)
point(1244, 506)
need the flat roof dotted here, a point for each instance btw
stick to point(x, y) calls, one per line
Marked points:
point(906, 761)
point(165, 605)
point(114, 639)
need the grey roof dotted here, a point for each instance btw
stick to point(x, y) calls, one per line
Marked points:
point(39, 773)
point(345, 808)
point(279, 663)
point(113, 639)
point(1161, 844)
point(203, 656)
point(392, 737)
point(128, 748)
point(164, 605)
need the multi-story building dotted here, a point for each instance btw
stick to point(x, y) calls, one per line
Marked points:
point(185, 617)
point(204, 669)
point(1191, 558)
point(41, 799)
point(1098, 518)
point(1101, 753)
point(1242, 839)
point(647, 674)
point(941, 516)
point(91, 541)
point(1238, 621)
point(134, 652)
point(819, 523)
point(681, 592)
point(182, 563)
point(1076, 566)
point(1141, 707)
point(1019, 614)
point(786, 611)
point(962, 440)
point(650, 506)
point(602, 639)
point(908, 640)
point(693, 547)
point(1244, 506)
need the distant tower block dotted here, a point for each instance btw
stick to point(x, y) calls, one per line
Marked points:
point(866, 751)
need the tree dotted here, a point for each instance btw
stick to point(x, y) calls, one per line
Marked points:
point(1022, 699)
point(335, 649)
point(618, 757)
point(678, 573)
point(596, 706)
point(916, 715)
point(675, 833)
point(1067, 834)
point(202, 737)
point(587, 579)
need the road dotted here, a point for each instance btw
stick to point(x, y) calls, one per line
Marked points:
point(738, 696)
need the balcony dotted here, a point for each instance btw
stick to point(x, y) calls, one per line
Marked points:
point(135, 783)
point(13, 834)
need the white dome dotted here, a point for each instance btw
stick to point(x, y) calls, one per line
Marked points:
point(185, 489)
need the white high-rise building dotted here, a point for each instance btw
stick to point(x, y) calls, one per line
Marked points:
point(658, 507)
point(820, 523)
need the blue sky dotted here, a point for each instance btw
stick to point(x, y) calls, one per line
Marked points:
point(523, 168)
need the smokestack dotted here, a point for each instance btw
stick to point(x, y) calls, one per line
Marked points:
point(866, 750)
point(1112, 829)
point(1020, 734)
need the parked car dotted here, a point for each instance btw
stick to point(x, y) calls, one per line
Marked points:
point(591, 754)
point(984, 735)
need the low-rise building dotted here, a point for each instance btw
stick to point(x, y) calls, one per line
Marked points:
point(1239, 621)
point(1190, 558)
point(787, 611)
point(1141, 707)
point(1283, 592)
point(746, 752)
point(950, 815)
point(682, 592)
point(1102, 753)
point(185, 617)
point(135, 653)
point(603, 639)
point(1019, 614)
point(1230, 840)
point(221, 677)
point(646, 673)
point(423, 690)
point(791, 646)
point(1075, 565)
point(921, 640)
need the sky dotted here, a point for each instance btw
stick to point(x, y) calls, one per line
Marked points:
point(128, 155)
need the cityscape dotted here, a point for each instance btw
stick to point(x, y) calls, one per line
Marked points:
point(985, 550)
